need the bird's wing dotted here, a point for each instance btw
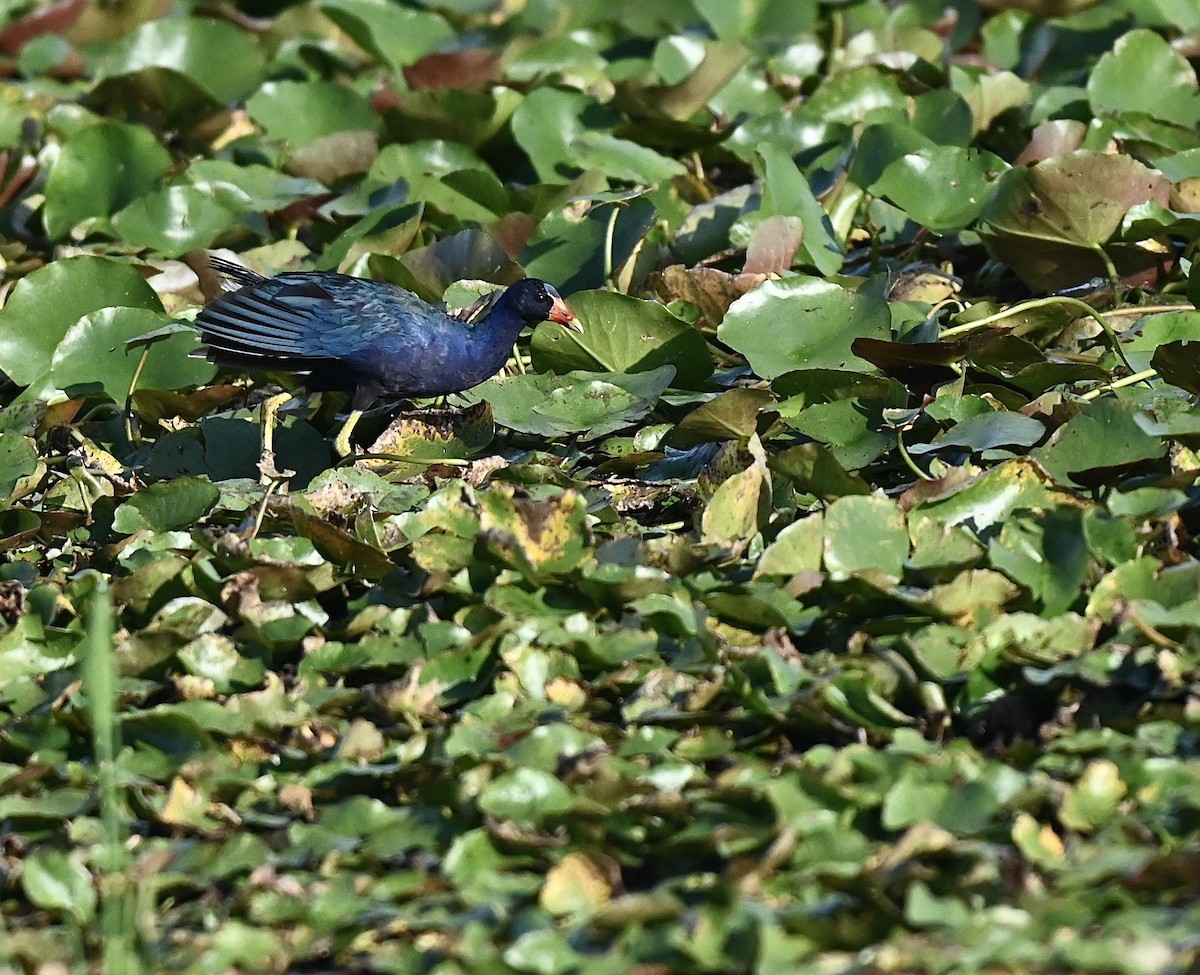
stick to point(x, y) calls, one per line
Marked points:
point(270, 318)
point(236, 275)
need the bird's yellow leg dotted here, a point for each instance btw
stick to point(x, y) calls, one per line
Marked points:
point(342, 443)
point(266, 464)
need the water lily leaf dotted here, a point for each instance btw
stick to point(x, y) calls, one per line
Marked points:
point(963, 808)
point(526, 796)
point(623, 159)
point(786, 193)
point(1178, 363)
point(94, 354)
point(388, 232)
point(881, 145)
point(853, 430)
point(394, 34)
point(941, 187)
point(18, 459)
point(865, 532)
point(447, 176)
point(100, 170)
point(166, 505)
point(557, 56)
point(852, 698)
point(1047, 554)
point(681, 99)
point(804, 323)
point(429, 436)
point(577, 884)
point(586, 403)
point(1025, 638)
point(814, 468)
point(246, 189)
point(731, 416)
point(1143, 73)
point(564, 132)
point(543, 952)
point(939, 546)
point(223, 61)
point(340, 547)
point(45, 304)
point(58, 882)
point(622, 334)
point(773, 245)
point(300, 112)
point(992, 95)
point(572, 245)
point(469, 254)
point(538, 537)
point(174, 220)
point(798, 548)
point(758, 21)
point(985, 431)
point(994, 495)
point(1038, 842)
point(1159, 330)
point(1071, 456)
point(1046, 221)
point(1095, 799)
point(737, 507)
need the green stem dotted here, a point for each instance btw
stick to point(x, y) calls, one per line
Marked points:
point(1137, 377)
point(117, 902)
point(137, 374)
point(610, 233)
point(1075, 303)
point(1110, 269)
point(908, 461)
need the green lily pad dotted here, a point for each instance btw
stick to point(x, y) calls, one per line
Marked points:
point(44, 306)
point(100, 170)
point(986, 431)
point(166, 506)
point(301, 112)
point(591, 404)
point(1072, 452)
point(220, 59)
point(865, 532)
point(804, 323)
point(95, 354)
point(733, 415)
point(943, 187)
point(786, 194)
point(527, 796)
point(1143, 73)
point(565, 132)
point(174, 220)
point(18, 459)
point(394, 34)
point(622, 334)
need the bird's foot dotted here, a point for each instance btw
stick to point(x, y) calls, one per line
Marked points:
point(342, 444)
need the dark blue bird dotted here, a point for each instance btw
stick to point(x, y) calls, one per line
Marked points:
point(368, 337)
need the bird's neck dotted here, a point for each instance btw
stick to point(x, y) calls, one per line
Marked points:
point(492, 339)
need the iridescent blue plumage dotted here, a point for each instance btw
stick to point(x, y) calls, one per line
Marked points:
point(373, 338)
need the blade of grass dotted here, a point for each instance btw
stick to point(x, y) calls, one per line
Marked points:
point(117, 903)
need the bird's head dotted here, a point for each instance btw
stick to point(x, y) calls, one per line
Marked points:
point(536, 301)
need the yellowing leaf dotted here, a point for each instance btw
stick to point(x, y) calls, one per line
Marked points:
point(578, 883)
point(1037, 842)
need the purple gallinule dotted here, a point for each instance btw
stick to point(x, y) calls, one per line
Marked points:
point(371, 338)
